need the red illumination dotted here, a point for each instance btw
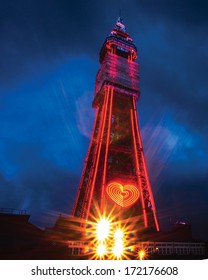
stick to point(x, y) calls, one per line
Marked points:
point(137, 168)
point(110, 91)
point(123, 195)
point(100, 139)
point(85, 166)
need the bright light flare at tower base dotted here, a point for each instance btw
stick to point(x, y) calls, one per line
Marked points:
point(118, 234)
point(110, 238)
point(142, 254)
point(102, 229)
point(118, 249)
point(101, 250)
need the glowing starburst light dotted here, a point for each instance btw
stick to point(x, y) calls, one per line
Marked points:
point(118, 249)
point(118, 234)
point(101, 250)
point(102, 229)
point(141, 254)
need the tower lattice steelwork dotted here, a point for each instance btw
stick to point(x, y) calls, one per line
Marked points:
point(115, 175)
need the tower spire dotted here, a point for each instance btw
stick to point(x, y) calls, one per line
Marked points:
point(120, 25)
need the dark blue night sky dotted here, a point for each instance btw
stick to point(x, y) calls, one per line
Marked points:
point(48, 62)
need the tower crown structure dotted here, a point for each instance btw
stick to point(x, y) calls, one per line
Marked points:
point(118, 66)
point(119, 42)
point(115, 177)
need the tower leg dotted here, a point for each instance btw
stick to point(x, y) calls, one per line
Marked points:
point(110, 92)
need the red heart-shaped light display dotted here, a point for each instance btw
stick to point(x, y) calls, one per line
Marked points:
point(124, 196)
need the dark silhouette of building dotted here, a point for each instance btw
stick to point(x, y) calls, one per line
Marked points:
point(18, 238)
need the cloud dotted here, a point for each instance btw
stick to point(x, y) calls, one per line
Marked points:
point(85, 114)
point(184, 197)
point(37, 34)
point(40, 185)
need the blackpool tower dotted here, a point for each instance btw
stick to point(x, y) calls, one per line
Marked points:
point(115, 177)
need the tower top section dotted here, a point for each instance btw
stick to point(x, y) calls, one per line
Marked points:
point(119, 42)
point(120, 26)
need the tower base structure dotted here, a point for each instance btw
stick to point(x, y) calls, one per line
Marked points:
point(176, 244)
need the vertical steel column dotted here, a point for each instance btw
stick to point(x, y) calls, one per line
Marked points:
point(85, 165)
point(137, 169)
point(106, 97)
point(145, 168)
point(106, 149)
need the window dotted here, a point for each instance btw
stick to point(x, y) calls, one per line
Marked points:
point(76, 251)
